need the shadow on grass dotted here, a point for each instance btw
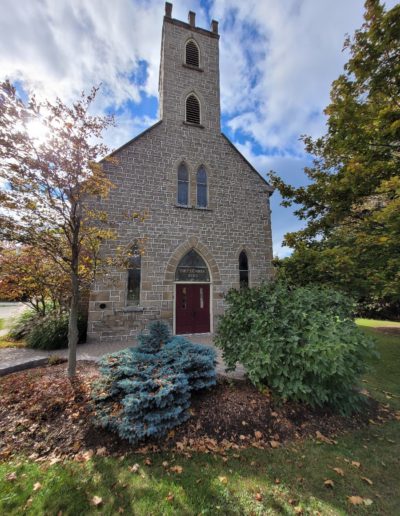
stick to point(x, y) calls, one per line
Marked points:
point(283, 481)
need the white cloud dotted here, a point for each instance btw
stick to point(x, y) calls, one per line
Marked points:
point(278, 60)
point(126, 128)
point(64, 46)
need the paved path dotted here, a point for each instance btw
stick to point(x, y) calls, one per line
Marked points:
point(15, 359)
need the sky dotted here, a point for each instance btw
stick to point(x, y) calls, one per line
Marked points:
point(278, 59)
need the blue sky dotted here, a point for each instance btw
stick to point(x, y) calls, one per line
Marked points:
point(278, 59)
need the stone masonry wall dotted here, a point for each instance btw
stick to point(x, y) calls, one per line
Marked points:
point(145, 179)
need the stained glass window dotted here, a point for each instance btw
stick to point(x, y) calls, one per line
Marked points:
point(201, 180)
point(134, 275)
point(183, 185)
point(243, 270)
point(192, 267)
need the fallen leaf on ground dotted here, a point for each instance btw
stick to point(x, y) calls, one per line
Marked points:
point(355, 464)
point(274, 444)
point(101, 452)
point(37, 486)
point(339, 471)
point(259, 497)
point(176, 469)
point(257, 434)
point(170, 497)
point(223, 480)
point(367, 501)
point(97, 500)
point(165, 464)
point(134, 469)
point(11, 476)
point(323, 438)
point(355, 500)
point(329, 483)
point(367, 480)
point(148, 461)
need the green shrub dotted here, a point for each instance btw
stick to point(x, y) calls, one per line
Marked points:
point(51, 332)
point(301, 343)
point(24, 324)
point(146, 393)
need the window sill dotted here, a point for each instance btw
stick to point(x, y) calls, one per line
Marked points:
point(132, 308)
point(191, 124)
point(191, 67)
point(192, 207)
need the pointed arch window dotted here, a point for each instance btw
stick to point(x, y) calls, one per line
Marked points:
point(192, 267)
point(192, 109)
point(183, 185)
point(192, 54)
point(134, 275)
point(201, 185)
point(243, 270)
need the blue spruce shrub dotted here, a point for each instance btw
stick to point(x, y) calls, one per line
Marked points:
point(302, 343)
point(143, 392)
point(195, 360)
point(153, 341)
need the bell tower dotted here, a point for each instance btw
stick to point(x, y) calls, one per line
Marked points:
point(189, 74)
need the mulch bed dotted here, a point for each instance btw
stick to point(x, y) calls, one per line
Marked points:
point(45, 415)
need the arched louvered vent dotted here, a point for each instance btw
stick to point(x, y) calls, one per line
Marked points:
point(192, 54)
point(192, 110)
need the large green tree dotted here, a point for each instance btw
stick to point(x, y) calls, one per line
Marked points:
point(352, 203)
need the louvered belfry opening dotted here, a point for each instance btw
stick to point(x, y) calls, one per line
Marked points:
point(192, 54)
point(192, 110)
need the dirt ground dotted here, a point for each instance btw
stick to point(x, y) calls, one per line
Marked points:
point(45, 415)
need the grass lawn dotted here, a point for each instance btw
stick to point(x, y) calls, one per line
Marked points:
point(288, 480)
point(5, 343)
point(375, 323)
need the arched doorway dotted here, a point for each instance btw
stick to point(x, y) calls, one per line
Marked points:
point(192, 310)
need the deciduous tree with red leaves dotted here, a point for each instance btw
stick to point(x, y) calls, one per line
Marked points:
point(49, 166)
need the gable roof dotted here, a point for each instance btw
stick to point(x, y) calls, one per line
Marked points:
point(137, 137)
point(269, 187)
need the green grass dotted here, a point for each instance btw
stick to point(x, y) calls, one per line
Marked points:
point(6, 343)
point(289, 479)
point(383, 381)
point(300, 469)
point(375, 323)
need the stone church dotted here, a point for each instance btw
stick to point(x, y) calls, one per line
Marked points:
point(207, 227)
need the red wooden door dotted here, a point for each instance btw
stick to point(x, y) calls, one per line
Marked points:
point(192, 308)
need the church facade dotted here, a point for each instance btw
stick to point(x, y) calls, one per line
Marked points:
point(206, 227)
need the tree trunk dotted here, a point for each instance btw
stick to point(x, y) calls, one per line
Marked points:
point(73, 334)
